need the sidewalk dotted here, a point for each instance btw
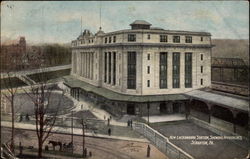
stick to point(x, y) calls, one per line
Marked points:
point(99, 113)
point(66, 130)
point(165, 118)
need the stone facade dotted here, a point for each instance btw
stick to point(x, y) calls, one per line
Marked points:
point(102, 60)
point(88, 57)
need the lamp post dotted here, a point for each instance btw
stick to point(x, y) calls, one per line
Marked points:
point(148, 106)
point(72, 130)
point(83, 137)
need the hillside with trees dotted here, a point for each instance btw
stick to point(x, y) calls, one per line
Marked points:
point(231, 48)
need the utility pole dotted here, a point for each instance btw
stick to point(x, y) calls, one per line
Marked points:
point(148, 106)
point(100, 14)
point(81, 25)
point(83, 138)
point(72, 131)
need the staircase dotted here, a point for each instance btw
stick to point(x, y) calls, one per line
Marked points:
point(27, 80)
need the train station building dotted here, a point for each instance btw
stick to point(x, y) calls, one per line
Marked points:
point(151, 70)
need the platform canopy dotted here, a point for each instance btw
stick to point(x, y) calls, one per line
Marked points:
point(73, 82)
point(219, 99)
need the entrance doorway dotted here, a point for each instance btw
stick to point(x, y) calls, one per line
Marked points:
point(176, 107)
point(163, 107)
point(131, 109)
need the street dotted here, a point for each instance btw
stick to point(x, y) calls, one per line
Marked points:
point(101, 148)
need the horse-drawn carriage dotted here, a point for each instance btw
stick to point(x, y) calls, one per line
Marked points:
point(62, 147)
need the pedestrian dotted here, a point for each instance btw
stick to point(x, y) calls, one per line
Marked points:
point(148, 151)
point(46, 148)
point(20, 148)
point(104, 117)
point(27, 117)
point(131, 123)
point(108, 121)
point(90, 153)
point(128, 123)
point(85, 152)
point(21, 118)
point(109, 131)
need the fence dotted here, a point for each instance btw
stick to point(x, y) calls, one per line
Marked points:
point(161, 142)
point(91, 124)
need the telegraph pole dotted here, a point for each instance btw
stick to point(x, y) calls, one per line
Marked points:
point(148, 106)
point(83, 137)
point(72, 131)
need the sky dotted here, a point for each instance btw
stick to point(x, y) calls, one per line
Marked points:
point(60, 21)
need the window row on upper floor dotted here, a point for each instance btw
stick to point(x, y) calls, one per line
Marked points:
point(162, 38)
point(154, 38)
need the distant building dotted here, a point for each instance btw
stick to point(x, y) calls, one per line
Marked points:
point(139, 66)
point(230, 75)
point(17, 55)
point(11, 55)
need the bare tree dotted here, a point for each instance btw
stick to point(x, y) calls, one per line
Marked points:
point(10, 93)
point(45, 109)
point(11, 61)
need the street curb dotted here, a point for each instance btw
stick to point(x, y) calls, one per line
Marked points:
point(91, 136)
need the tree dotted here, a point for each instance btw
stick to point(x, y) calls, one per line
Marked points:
point(45, 109)
point(9, 93)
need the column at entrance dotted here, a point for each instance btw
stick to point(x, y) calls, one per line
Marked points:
point(187, 108)
point(210, 106)
point(234, 119)
point(112, 68)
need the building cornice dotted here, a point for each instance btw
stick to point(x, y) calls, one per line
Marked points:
point(152, 31)
point(145, 45)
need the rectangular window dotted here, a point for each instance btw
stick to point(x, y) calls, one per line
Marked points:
point(105, 67)
point(201, 57)
point(176, 39)
point(201, 38)
point(163, 38)
point(106, 40)
point(132, 37)
point(188, 70)
point(201, 69)
point(176, 70)
point(148, 56)
point(109, 67)
point(148, 70)
point(148, 83)
point(114, 68)
point(201, 81)
point(109, 39)
point(114, 39)
point(163, 69)
point(148, 36)
point(188, 39)
point(131, 83)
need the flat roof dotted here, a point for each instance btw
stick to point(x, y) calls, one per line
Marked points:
point(163, 31)
point(219, 99)
point(73, 82)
